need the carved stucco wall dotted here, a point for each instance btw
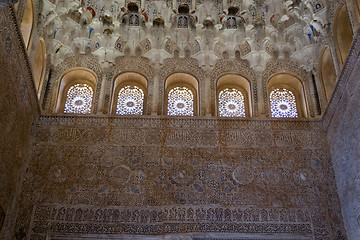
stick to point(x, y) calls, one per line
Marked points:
point(343, 126)
point(155, 176)
point(18, 108)
point(116, 177)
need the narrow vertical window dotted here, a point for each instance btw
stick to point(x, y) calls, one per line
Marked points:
point(79, 99)
point(27, 22)
point(130, 101)
point(343, 33)
point(283, 104)
point(231, 103)
point(180, 102)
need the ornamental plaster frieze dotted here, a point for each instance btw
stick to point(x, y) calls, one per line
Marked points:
point(183, 137)
point(172, 220)
point(178, 122)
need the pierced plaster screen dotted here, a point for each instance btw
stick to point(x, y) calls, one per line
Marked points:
point(231, 103)
point(79, 99)
point(283, 104)
point(180, 102)
point(130, 101)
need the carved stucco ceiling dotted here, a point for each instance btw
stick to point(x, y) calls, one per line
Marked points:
point(254, 30)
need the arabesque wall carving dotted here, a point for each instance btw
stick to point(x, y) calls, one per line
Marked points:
point(343, 135)
point(161, 176)
point(75, 177)
point(18, 110)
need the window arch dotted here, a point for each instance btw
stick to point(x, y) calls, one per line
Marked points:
point(181, 95)
point(343, 33)
point(76, 91)
point(27, 23)
point(327, 72)
point(233, 96)
point(129, 94)
point(286, 96)
point(39, 65)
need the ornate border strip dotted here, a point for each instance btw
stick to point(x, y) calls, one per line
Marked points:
point(169, 220)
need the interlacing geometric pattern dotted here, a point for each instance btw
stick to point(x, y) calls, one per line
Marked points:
point(231, 103)
point(79, 99)
point(180, 102)
point(283, 104)
point(130, 101)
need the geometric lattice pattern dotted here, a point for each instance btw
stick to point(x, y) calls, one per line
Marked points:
point(231, 103)
point(180, 102)
point(283, 104)
point(130, 101)
point(79, 99)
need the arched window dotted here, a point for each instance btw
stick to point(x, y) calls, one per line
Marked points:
point(181, 95)
point(343, 33)
point(129, 94)
point(233, 96)
point(287, 97)
point(39, 65)
point(180, 102)
point(27, 22)
point(130, 101)
point(327, 72)
point(79, 99)
point(76, 91)
point(231, 103)
point(283, 104)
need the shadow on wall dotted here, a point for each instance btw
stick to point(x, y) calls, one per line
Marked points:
point(2, 217)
